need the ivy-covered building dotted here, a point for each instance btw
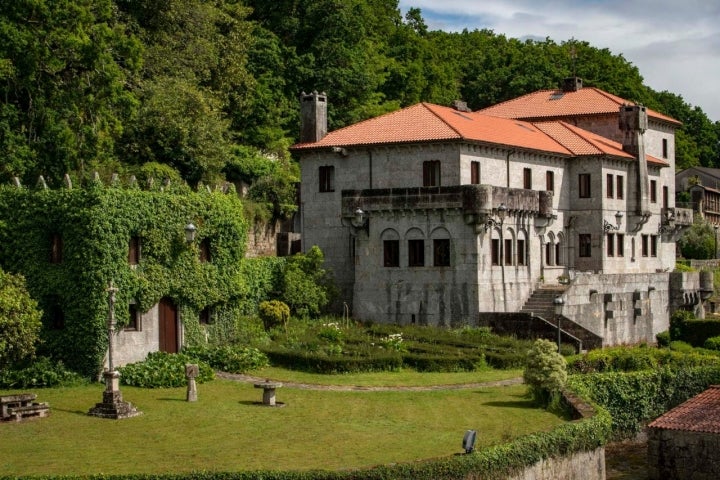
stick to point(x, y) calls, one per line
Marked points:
point(71, 243)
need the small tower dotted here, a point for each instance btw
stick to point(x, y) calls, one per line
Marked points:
point(633, 122)
point(313, 117)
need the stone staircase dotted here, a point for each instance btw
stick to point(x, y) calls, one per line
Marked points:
point(540, 303)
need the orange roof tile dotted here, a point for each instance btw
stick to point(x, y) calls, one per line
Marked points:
point(548, 104)
point(699, 414)
point(427, 122)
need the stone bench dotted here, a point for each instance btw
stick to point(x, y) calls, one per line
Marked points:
point(22, 406)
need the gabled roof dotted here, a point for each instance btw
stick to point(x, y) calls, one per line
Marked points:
point(426, 122)
point(699, 414)
point(550, 104)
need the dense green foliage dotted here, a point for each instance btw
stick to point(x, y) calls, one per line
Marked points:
point(19, 320)
point(40, 373)
point(633, 359)
point(209, 88)
point(686, 328)
point(546, 372)
point(95, 225)
point(232, 359)
point(274, 313)
point(163, 370)
point(698, 242)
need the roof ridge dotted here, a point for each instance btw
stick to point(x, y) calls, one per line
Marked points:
point(588, 139)
point(451, 127)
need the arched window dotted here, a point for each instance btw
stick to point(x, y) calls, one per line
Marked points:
point(416, 247)
point(391, 248)
point(441, 247)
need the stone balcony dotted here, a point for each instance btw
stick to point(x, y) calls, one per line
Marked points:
point(675, 219)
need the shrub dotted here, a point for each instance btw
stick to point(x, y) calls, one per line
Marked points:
point(41, 373)
point(663, 338)
point(331, 332)
point(546, 372)
point(232, 359)
point(19, 320)
point(680, 346)
point(161, 370)
point(678, 320)
point(274, 313)
point(306, 287)
point(712, 343)
point(318, 362)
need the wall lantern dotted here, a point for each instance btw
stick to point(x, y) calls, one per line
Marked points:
point(492, 223)
point(190, 231)
point(360, 221)
point(608, 227)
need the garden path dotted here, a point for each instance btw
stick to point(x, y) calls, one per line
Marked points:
point(351, 388)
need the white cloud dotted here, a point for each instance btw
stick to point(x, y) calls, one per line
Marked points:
point(675, 45)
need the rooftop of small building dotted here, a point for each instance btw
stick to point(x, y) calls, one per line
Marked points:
point(699, 414)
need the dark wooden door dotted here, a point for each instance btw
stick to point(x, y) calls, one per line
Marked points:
point(168, 326)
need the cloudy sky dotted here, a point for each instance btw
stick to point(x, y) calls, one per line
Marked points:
point(674, 43)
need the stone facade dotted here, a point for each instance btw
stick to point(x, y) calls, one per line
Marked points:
point(681, 455)
point(606, 223)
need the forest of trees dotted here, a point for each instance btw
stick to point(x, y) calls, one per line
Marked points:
point(206, 90)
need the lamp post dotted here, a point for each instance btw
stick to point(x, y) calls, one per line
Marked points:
point(715, 247)
point(558, 303)
point(112, 290)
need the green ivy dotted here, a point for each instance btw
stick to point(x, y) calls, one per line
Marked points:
point(96, 223)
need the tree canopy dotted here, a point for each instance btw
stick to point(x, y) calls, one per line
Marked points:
point(203, 86)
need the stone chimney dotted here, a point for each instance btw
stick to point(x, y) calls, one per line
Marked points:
point(460, 106)
point(633, 122)
point(572, 84)
point(313, 117)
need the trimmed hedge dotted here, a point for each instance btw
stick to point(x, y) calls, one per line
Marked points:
point(318, 363)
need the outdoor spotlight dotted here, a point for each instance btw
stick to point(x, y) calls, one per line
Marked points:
point(469, 441)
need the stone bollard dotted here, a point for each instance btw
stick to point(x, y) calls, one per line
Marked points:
point(191, 371)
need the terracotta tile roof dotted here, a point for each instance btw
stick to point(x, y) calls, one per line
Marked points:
point(426, 122)
point(699, 414)
point(549, 104)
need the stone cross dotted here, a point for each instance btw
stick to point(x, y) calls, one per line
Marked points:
point(191, 371)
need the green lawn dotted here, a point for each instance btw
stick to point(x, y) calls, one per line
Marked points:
point(405, 377)
point(227, 430)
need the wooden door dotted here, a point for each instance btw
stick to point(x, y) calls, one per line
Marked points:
point(168, 326)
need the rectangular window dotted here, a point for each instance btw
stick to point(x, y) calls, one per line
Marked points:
point(205, 316)
point(521, 251)
point(527, 178)
point(475, 172)
point(653, 191)
point(550, 181)
point(585, 245)
point(134, 250)
point(620, 180)
point(584, 185)
point(620, 245)
point(508, 253)
point(205, 255)
point(431, 173)
point(327, 178)
point(666, 199)
point(56, 248)
point(610, 245)
point(416, 253)
point(653, 245)
point(495, 251)
point(610, 186)
point(645, 245)
point(665, 148)
point(391, 253)
point(441, 252)
point(134, 320)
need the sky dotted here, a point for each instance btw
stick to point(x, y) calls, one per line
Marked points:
point(674, 43)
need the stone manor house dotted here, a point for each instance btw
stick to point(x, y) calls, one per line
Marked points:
point(435, 215)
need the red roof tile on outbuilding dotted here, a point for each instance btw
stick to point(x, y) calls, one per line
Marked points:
point(699, 414)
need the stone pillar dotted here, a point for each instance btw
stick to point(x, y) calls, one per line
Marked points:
point(191, 371)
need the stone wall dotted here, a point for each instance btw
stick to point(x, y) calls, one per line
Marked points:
point(680, 455)
point(578, 466)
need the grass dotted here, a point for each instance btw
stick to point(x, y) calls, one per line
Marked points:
point(404, 378)
point(226, 430)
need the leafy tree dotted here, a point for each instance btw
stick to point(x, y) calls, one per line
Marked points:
point(306, 286)
point(698, 242)
point(65, 67)
point(545, 372)
point(19, 320)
